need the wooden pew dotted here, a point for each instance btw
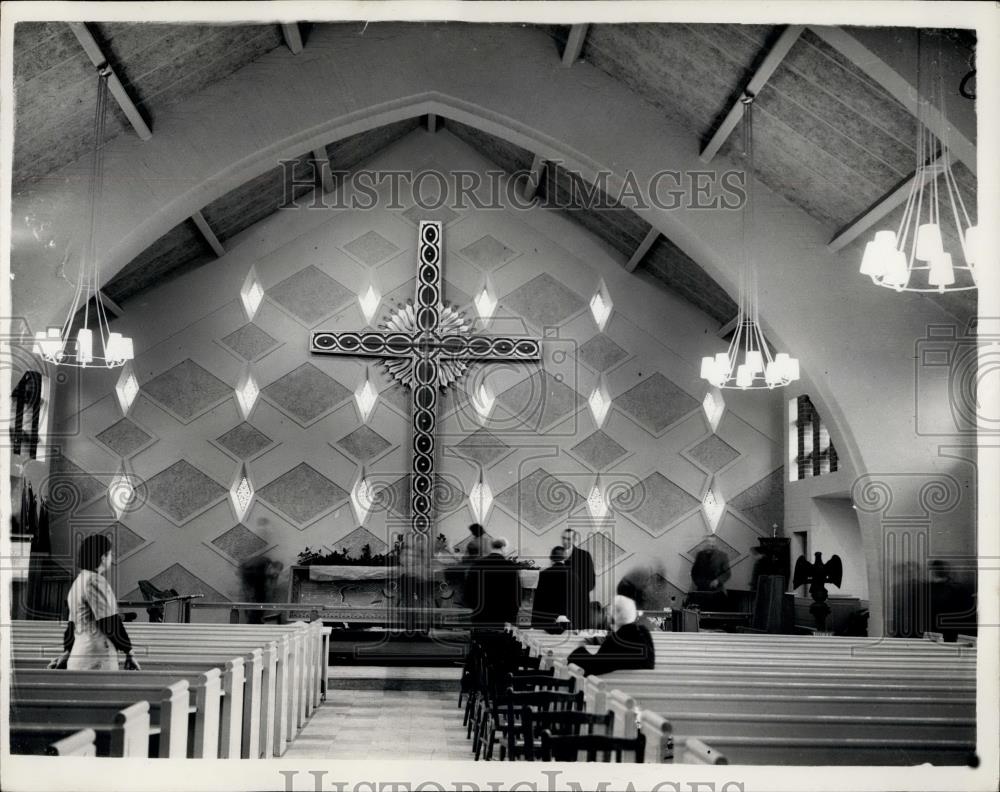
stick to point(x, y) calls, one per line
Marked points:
point(205, 689)
point(241, 711)
point(123, 733)
point(169, 710)
point(301, 659)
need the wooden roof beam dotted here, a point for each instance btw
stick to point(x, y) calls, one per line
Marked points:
point(728, 327)
point(208, 234)
point(574, 44)
point(293, 37)
point(640, 252)
point(760, 77)
point(874, 213)
point(534, 178)
point(98, 58)
point(321, 163)
point(902, 89)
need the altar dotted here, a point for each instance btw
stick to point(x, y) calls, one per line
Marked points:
point(382, 595)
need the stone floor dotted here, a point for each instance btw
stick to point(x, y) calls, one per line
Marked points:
point(384, 724)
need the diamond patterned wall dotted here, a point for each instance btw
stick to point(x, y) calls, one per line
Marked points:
point(656, 402)
point(240, 543)
point(250, 342)
point(244, 441)
point(655, 503)
point(124, 437)
point(310, 295)
point(306, 394)
point(540, 499)
point(302, 493)
point(304, 443)
point(187, 390)
point(544, 301)
point(181, 491)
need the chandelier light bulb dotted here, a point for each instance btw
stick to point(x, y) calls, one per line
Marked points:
point(929, 244)
point(941, 273)
point(755, 361)
point(744, 376)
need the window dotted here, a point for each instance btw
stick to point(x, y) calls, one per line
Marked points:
point(811, 451)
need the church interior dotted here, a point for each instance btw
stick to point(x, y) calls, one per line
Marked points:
point(312, 318)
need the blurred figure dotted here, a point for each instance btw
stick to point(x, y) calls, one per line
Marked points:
point(953, 606)
point(259, 576)
point(630, 646)
point(582, 565)
point(493, 588)
point(709, 574)
point(552, 596)
point(907, 617)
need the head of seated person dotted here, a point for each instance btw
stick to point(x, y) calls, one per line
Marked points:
point(623, 612)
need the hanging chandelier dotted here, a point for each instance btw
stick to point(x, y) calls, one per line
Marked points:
point(913, 258)
point(748, 363)
point(81, 349)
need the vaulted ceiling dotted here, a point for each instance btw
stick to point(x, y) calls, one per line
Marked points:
point(828, 137)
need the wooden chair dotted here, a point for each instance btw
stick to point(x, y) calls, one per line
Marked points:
point(567, 748)
point(503, 721)
point(569, 723)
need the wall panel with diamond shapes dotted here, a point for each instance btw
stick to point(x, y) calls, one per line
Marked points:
point(304, 443)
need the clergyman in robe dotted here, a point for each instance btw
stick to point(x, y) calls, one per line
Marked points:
point(582, 565)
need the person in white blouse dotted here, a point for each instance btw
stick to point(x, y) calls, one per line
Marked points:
point(95, 633)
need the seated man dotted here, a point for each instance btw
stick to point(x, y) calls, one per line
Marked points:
point(630, 646)
point(709, 574)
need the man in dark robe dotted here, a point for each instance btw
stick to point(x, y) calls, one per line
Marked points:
point(581, 564)
point(552, 595)
point(493, 589)
point(630, 646)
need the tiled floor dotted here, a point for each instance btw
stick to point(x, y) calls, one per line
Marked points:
point(384, 724)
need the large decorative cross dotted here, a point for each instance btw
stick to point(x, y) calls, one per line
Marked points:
point(426, 346)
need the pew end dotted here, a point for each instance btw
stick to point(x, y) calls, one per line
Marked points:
point(694, 751)
point(80, 743)
point(659, 736)
point(625, 709)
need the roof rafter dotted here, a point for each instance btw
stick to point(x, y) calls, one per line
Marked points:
point(883, 206)
point(208, 234)
point(574, 44)
point(534, 178)
point(99, 59)
point(321, 163)
point(640, 252)
point(760, 77)
point(292, 36)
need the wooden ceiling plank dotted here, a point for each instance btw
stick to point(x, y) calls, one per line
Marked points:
point(323, 173)
point(651, 236)
point(97, 57)
point(760, 77)
point(901, 89)
point(874, 213)
point(208, 234)
point(293, 37)
point(534, 178)
point(574, 44)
